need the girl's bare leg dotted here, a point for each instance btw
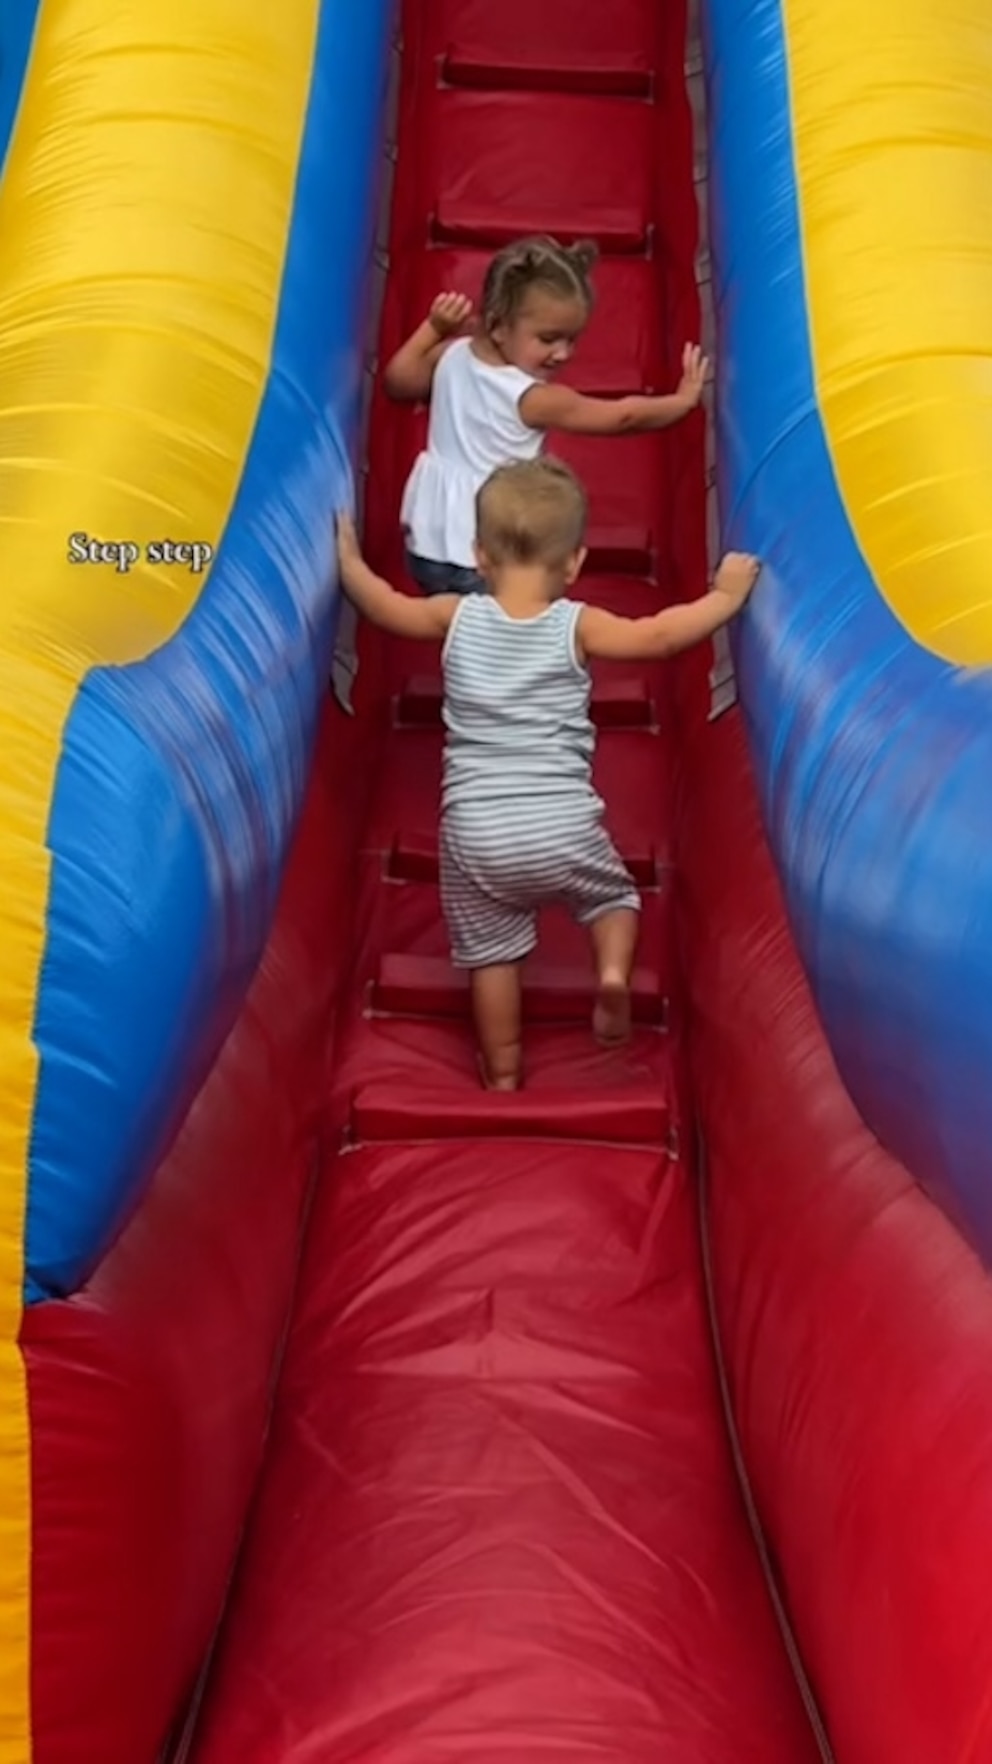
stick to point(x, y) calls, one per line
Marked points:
point(614, 941)
point(496, 1008)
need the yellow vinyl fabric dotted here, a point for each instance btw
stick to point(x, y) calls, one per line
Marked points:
point(891, 106)
point(144, 215)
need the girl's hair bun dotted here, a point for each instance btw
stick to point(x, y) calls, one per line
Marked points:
point(535, 261)
point(584, 254)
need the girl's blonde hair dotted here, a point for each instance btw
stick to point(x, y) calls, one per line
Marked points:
point(536, 262)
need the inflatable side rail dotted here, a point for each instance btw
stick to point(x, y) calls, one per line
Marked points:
point(853, 280)
point(185, 229)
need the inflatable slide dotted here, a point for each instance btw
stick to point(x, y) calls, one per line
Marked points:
point(348, 1413)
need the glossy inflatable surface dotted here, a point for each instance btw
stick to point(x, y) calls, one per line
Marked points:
point(178, 377)
point(856, 1322)
point(852, 232)
point(497, 1511)
point(499, 1519)
point(186, 211)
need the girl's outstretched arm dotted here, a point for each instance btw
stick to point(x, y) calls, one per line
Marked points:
point(408, 376)
point(403, 615)
point(559, 407)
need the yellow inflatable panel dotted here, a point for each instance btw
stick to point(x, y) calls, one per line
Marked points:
point(140, 275)
point(893, 141)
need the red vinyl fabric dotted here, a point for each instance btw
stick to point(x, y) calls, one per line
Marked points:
point(496, 1515)
point(857, 1323)
point(150, 1390)
point(499, 1520)
point(519, 44)
point(499, 1517)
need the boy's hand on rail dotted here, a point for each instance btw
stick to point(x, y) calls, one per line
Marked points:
point(349, 549)
point(736, 574)
point(695, 368)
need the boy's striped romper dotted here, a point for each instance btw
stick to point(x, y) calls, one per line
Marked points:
point(521, 825)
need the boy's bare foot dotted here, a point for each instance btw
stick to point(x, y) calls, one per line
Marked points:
point(496, 1009)
point(506, 1081)
point(611, 1017)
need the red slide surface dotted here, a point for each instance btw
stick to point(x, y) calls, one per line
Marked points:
point(499, 1517)
point(495, 1515)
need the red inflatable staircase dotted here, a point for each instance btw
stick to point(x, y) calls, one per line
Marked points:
point(500, 1518)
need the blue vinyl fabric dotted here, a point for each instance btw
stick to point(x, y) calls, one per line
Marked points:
point(17, 25)
point(873, 756)
point(182, 776)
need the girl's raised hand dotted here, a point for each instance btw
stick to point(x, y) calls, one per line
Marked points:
point(449, 313)
point(695, 368)
point(349, 549)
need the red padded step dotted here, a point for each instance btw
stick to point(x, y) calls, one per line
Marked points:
point(632, 772)
point(410, 1055)
point(614, 75)
point(408, 919)
point(495, 168)
point(413, 858)
point(621, 350)
point(554, 44)
point(627, 551)
point(624, 476)
point(615, 704)
point(427, 986)
point(638, 1115)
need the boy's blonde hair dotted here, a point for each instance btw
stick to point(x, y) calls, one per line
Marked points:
point(531, 512)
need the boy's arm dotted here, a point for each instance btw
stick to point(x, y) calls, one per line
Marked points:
point(409, 374)
point(604, 637)
point(572, 413)
point(402, 615)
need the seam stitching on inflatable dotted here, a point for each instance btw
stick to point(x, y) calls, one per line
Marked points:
point(786, 1630)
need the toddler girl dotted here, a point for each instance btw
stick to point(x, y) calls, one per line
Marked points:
point(493, 396)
